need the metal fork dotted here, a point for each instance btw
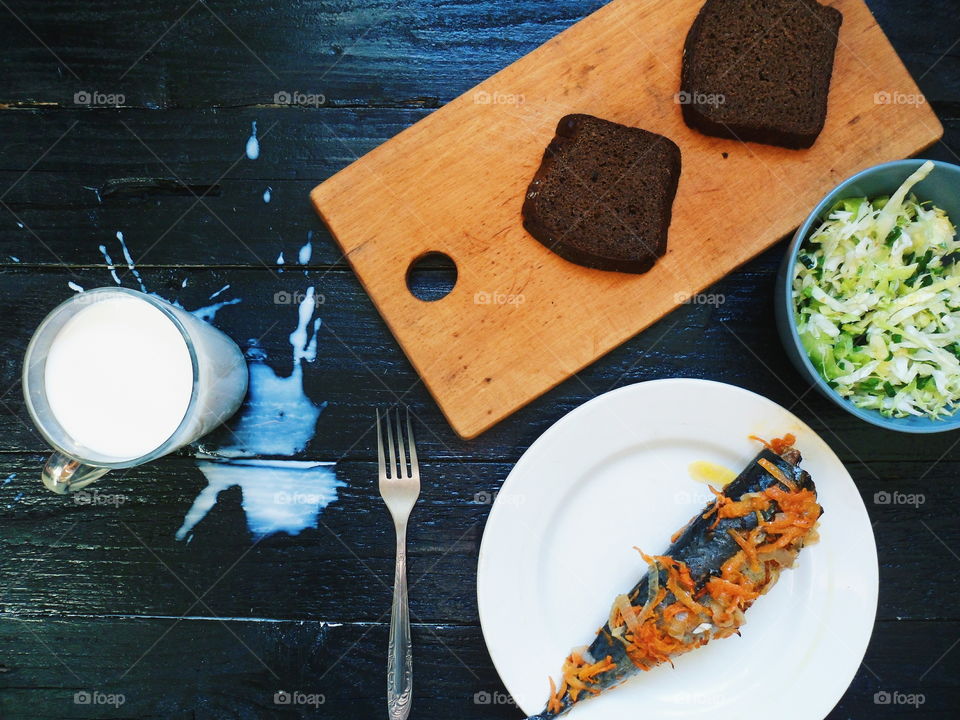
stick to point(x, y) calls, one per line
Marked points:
point(399, 488)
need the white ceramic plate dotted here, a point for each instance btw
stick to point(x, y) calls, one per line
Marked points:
point(613, 474)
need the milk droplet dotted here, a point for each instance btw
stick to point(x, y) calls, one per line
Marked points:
point(306, 252)
point(209, 313)
point(253, 144)
point(131, 266)
point(110, 265)
point(267, 194)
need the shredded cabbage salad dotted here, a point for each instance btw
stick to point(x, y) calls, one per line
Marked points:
point(877, 303)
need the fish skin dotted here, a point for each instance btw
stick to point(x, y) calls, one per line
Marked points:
point(703, 550)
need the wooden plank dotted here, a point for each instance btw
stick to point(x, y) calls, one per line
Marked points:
point(55, 202)
point(205, 669)
point(56, 555)
point(423, 52)
point(209, 669)
point(360, 366)
point(199, 146)
point(163, 223)
point(455, 181)
point(380, 52)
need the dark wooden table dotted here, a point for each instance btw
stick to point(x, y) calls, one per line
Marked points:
point(103, 598)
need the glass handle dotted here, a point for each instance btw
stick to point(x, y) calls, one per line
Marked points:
point(63, 474)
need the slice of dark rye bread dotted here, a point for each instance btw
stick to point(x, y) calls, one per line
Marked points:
point(760, 70)
point(603, 195)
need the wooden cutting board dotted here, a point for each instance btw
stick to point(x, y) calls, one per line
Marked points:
point(520, 319)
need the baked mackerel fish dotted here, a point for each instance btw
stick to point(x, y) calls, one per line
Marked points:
point(725, 558)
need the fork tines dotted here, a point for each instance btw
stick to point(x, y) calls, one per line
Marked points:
point(397, 467)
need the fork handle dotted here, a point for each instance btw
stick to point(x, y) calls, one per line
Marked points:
point(400, 652)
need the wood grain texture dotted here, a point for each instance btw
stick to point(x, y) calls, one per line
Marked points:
point(455, 181)
point(47, 538)
point(246, 662)
point(359, 364)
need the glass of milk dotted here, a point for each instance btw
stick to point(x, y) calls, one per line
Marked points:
point(115, 378)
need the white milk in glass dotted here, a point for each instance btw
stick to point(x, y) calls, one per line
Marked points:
point(119, 378)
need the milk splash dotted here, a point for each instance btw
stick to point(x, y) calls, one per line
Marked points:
point(19, 496)
point(277, 496)
point(277, 420)
point(207, 313)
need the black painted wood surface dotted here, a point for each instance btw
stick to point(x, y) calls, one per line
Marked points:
point(103, 598)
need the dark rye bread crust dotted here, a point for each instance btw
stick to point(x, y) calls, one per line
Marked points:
point(603, 195)
point(760, 70)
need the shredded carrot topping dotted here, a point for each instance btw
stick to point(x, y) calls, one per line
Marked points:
point(680, 616)
point(726, 507)
point(553, 704)
point(748, 549)
point(578, 677)
point(717, 505)
point(777, 473)
point(777, 445)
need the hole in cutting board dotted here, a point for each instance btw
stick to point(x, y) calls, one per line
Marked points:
point(432, 276)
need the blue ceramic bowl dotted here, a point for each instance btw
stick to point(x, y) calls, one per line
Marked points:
point(942, 187)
